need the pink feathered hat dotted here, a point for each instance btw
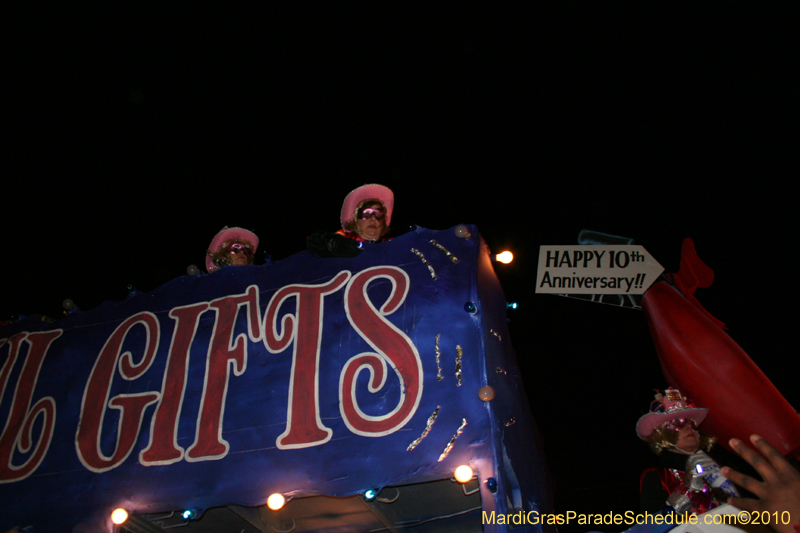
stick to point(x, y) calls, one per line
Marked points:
point(668, 406)
point(226, 234)
point(366, 192)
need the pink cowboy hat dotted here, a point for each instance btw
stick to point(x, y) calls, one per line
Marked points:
point(367, 192)
point(669, 406)
point(227, 234)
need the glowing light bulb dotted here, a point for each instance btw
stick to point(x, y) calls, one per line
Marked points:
point(276, 501)
point(463, 474)
point(370, 494)
point(189, 514)
point(486, 393)
point(462, 232)
point(505, 257)
point(118, 516)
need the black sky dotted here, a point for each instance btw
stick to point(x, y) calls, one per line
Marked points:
point(135, 133)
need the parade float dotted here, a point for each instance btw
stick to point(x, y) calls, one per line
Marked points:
point(350, 389)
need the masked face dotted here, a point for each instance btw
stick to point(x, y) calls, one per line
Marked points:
point(688, 439)
point(371, 221)
point(240, 253)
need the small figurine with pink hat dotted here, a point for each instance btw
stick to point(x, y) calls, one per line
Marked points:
point(231, 247)
point(365, 217)
point(687, 479)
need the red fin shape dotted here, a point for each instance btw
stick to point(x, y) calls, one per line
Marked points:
point(693, 274)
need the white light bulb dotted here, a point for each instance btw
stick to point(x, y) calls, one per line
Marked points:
point(118, 516)
point(463, 474)
point(505, 257)
point(276, 501)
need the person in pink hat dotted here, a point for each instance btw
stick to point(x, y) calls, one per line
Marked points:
point(231, 247)
point(687, 479)
point(365, 217)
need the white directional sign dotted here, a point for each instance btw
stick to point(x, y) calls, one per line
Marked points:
point(596, 269)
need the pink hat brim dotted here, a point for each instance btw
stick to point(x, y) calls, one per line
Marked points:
point(649, 422)
point(365, 192)
point(227, 234)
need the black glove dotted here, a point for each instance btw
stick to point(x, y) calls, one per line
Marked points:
point(322, 244)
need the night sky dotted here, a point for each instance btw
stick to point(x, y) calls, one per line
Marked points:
point(134, 134)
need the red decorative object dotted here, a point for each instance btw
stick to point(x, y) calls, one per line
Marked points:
point(699, 358)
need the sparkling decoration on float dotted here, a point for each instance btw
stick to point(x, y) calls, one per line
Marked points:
point(453, 258)
point(459, 353)
point(425, 262)
point(439, 376)
point(452, 442)
point(431, 420)
point(499, 337)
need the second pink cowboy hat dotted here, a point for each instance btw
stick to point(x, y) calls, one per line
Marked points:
point(671, 405)
point(366, 192)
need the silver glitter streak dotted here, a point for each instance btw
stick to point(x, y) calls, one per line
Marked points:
point(453, 440)
point(439, 376)
point(453, 258)
point(431, 420)
point(459, 353)
point(425, 261)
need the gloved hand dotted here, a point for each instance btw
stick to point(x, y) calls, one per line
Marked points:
point(698, 465)
point(680, 502)
point(323, 244)
point(700, 462)
point(694, 481)
point(705, 463)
